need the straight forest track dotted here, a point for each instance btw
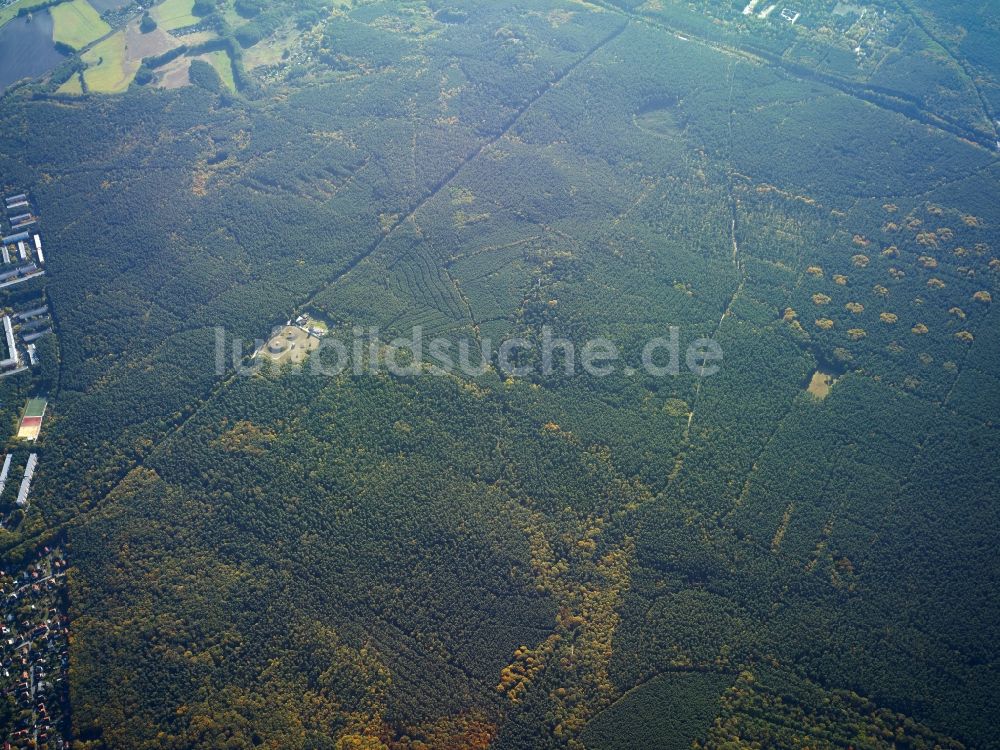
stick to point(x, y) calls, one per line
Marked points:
point(727, 310)
point(472, 156)
point(894, 101)
point(222, 385)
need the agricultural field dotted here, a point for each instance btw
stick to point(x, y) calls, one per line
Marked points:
point(73, 86)
point(139, 45)
point(219, 59)
point(112, 64)
point(109, 70)
point(174, 14)
point(77, 24)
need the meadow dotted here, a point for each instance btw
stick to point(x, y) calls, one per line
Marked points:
point(108, 71)
point(174, 14)
point(77, 24)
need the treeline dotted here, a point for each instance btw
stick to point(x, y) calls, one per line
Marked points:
point(37, 7)
point(244, 82)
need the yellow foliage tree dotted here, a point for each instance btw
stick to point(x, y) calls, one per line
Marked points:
point(820, 299)
point(855, 307)
point(824, 324)
point(856, 334)
point(919, 329)
point(889, 318)
point(359, 742)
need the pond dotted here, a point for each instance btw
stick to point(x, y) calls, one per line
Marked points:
point(27, 49)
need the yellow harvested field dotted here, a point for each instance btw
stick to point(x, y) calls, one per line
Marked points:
point(77, 24)
point(108, 70)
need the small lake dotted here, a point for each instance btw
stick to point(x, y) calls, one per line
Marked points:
point(27, 49)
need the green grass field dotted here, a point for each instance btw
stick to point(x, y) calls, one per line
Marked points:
point(223, 66)
point(107, 71)
point(77, 24)
point(73, 86)
point(174, 14)
point(35, 407)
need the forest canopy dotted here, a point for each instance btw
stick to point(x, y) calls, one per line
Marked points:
point(797, 550)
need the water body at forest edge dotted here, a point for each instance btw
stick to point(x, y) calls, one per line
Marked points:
point(27, 49)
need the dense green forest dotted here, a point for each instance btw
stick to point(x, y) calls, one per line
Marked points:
point(299, 560)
